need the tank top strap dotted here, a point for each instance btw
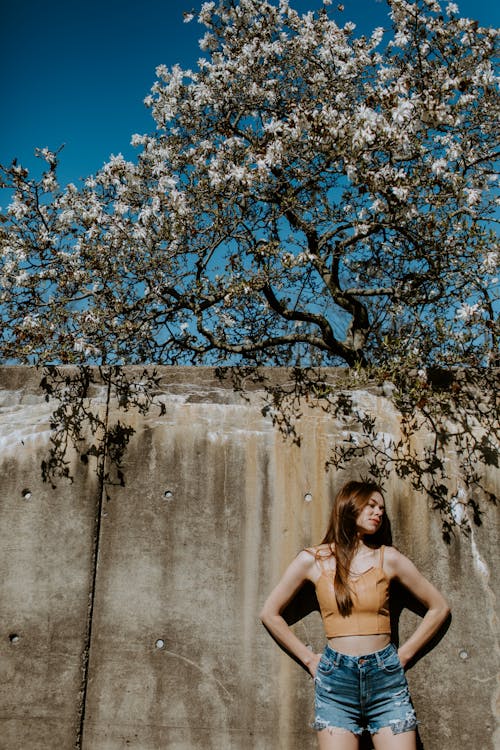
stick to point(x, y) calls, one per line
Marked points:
point(382, 548)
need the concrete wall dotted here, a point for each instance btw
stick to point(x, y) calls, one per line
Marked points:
point(132, 623)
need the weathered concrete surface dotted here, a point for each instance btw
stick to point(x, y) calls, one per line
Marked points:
point(45, 572)
point(215, 506)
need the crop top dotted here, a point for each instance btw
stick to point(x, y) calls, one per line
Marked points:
point(370, 601)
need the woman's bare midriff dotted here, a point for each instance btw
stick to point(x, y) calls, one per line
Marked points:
point(359, 645)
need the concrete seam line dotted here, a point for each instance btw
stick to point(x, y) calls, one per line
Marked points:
point(93, 582)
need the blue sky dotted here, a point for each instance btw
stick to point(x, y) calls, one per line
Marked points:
point(76, 73)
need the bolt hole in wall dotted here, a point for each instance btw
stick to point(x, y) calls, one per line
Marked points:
point(13, 638)
point(308, 497)
point(464, 654)
point(168, 494)
point(160, 643)
point(26, 494)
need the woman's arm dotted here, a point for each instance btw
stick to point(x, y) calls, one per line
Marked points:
point(400, 567)
point(294, 576)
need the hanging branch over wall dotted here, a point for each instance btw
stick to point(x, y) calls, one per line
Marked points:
point(81, 418)
point(442, 414)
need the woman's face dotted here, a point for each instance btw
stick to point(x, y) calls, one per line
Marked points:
point(370, 518)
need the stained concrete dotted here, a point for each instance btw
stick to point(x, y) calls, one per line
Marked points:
point(214, 507)
point(45, 577)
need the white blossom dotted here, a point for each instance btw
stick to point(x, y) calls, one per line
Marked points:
point(206, 11)
point(66, 217)
point(473, 196)
point(403, 112)
point(17, 208)
point(467, 312)
point(401, 193)
point(49, 182)
point(439, 166)
point(491, 261)
point(227, 320)
point(121, 207)
point(401, 39)
point(21, 278)
point(31, 321)
point(138, 140)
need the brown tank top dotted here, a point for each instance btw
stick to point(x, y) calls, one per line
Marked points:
point(370, 601)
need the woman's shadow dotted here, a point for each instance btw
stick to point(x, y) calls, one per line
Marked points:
point(304, 602)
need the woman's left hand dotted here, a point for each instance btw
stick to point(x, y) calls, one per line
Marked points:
point(403, 659)
point(313, 664)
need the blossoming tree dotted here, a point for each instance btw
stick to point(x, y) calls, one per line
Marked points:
point(309, 196)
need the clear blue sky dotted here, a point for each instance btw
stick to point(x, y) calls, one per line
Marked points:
point(77, 72)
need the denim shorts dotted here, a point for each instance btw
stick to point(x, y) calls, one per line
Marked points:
point(358, 693)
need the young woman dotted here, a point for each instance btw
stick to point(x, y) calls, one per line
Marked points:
point(359, 678)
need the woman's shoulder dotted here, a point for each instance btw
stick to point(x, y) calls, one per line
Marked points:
point(314, 559)
point(320, 551)
point(391, 553)
point(393, 560)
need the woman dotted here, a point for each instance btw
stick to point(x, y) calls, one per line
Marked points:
point(359, 678)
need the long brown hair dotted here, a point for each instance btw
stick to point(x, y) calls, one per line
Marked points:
point(342, 535)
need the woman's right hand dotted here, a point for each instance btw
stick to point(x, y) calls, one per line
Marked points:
point(312, 665)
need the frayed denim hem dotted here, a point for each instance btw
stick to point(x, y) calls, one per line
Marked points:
point(399, 726)
point(319, 725)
